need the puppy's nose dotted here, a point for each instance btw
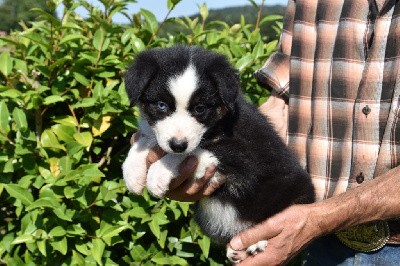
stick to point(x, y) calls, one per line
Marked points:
point(178, 145)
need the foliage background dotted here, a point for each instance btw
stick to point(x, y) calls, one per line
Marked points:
point(65, 125)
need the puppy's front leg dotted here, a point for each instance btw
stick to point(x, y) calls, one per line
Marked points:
point(134, 168)
point(162, 172)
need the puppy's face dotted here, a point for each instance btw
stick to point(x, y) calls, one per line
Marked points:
point(182, 98)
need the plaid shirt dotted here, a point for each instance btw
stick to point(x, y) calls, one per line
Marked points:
point(338, 67)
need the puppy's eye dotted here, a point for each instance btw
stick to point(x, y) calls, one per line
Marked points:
point(199, 109)
point(162, 106)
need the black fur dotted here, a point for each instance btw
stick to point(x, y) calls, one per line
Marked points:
point(263, 176)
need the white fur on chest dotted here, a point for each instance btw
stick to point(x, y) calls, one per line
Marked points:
point(220, 218)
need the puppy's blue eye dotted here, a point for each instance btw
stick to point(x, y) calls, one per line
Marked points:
point(162, 106)
point(199, 109)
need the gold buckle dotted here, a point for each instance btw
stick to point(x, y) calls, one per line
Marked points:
point(366, 237)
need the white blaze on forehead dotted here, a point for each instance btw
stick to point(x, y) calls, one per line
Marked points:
point(181, 124)
point(183, 86)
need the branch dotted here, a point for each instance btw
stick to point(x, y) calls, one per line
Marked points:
point(160, 26)
point(259, 14)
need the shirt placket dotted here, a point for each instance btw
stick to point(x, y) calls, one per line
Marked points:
point(368, 108)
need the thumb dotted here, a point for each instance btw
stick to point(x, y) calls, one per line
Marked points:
point(263, 231)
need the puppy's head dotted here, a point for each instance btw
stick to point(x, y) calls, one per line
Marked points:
point(182, 92)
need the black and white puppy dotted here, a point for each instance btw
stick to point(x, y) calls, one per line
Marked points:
point(190, 104)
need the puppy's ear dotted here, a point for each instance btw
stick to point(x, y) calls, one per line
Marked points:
point(139, 75)
point(227, 80)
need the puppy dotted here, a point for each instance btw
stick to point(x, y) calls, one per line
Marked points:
point(191, 104)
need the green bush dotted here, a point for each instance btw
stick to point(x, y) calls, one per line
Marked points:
point(65, 125)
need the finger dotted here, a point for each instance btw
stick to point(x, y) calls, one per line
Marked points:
point(266, 257)
point(263, 231)
point(155, 154)
point(135, 137)
point(213, 185)
point(199, 185)
point(186, 169)
point(193, 189)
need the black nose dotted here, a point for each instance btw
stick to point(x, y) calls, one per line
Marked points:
point(178, 145)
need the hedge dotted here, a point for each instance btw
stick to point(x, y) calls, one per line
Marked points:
point(65, 124)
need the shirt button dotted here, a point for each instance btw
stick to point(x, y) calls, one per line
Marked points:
point(366, 110)
point(360, 178)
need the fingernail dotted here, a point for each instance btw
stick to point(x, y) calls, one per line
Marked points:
point(236, 243)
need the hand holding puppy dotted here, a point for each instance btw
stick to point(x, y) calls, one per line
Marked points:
point(184, 187)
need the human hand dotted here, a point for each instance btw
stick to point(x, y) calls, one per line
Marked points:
point(286, 232)
point(184, 187)
point(276, 110)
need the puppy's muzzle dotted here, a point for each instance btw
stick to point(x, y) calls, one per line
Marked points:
point(178, 145)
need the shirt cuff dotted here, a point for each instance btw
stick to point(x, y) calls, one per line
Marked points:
point(274, 75)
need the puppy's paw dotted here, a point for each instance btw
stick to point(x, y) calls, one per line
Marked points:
point(257, 248)
point(158, 179)
point(205, 159)
point(236, 256)
point(161, 173)
point(134, 171)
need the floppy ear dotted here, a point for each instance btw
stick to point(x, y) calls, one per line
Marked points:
point(227, 80)
point(138, 76)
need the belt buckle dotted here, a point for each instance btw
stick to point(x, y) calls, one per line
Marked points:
point(366, 237)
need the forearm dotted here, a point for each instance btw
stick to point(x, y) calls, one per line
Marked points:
point(377, 199)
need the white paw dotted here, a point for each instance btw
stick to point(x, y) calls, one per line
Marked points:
point(256, 248)
point(205, 160)
point(161, 173)
point(236, 256)
point(134, 169)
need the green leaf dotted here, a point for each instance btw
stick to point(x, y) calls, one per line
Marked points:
point(155, 228)
point(77, 258)
point(48, 202)
point(204, 11)
point(244, 62)
point(81, 79)
point(61, 245)
point(67, 121)
point(57, 232)
point(98, 250)
point(23, 239)
point(253, 3)
point(48, 16)
point(52, 99)
point(258, 50)
point(42, 247)
point(100, 41)
point(11, 93)
point(63, 132)
point(86, 102)
point(170, 260)
point(43, 203)
point(172, 3)
point(84, 138)
point(49, 140)
point(107, 231)
point(19, 193)
point(137, 44)
point(72, 37)
point(204, 244)
point(4, 118)
point(150, 19)
point(6, 63)
point(20, 119)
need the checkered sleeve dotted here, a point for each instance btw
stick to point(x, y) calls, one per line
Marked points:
point(274, 75)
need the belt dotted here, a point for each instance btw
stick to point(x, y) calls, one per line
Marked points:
point(371, 236)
